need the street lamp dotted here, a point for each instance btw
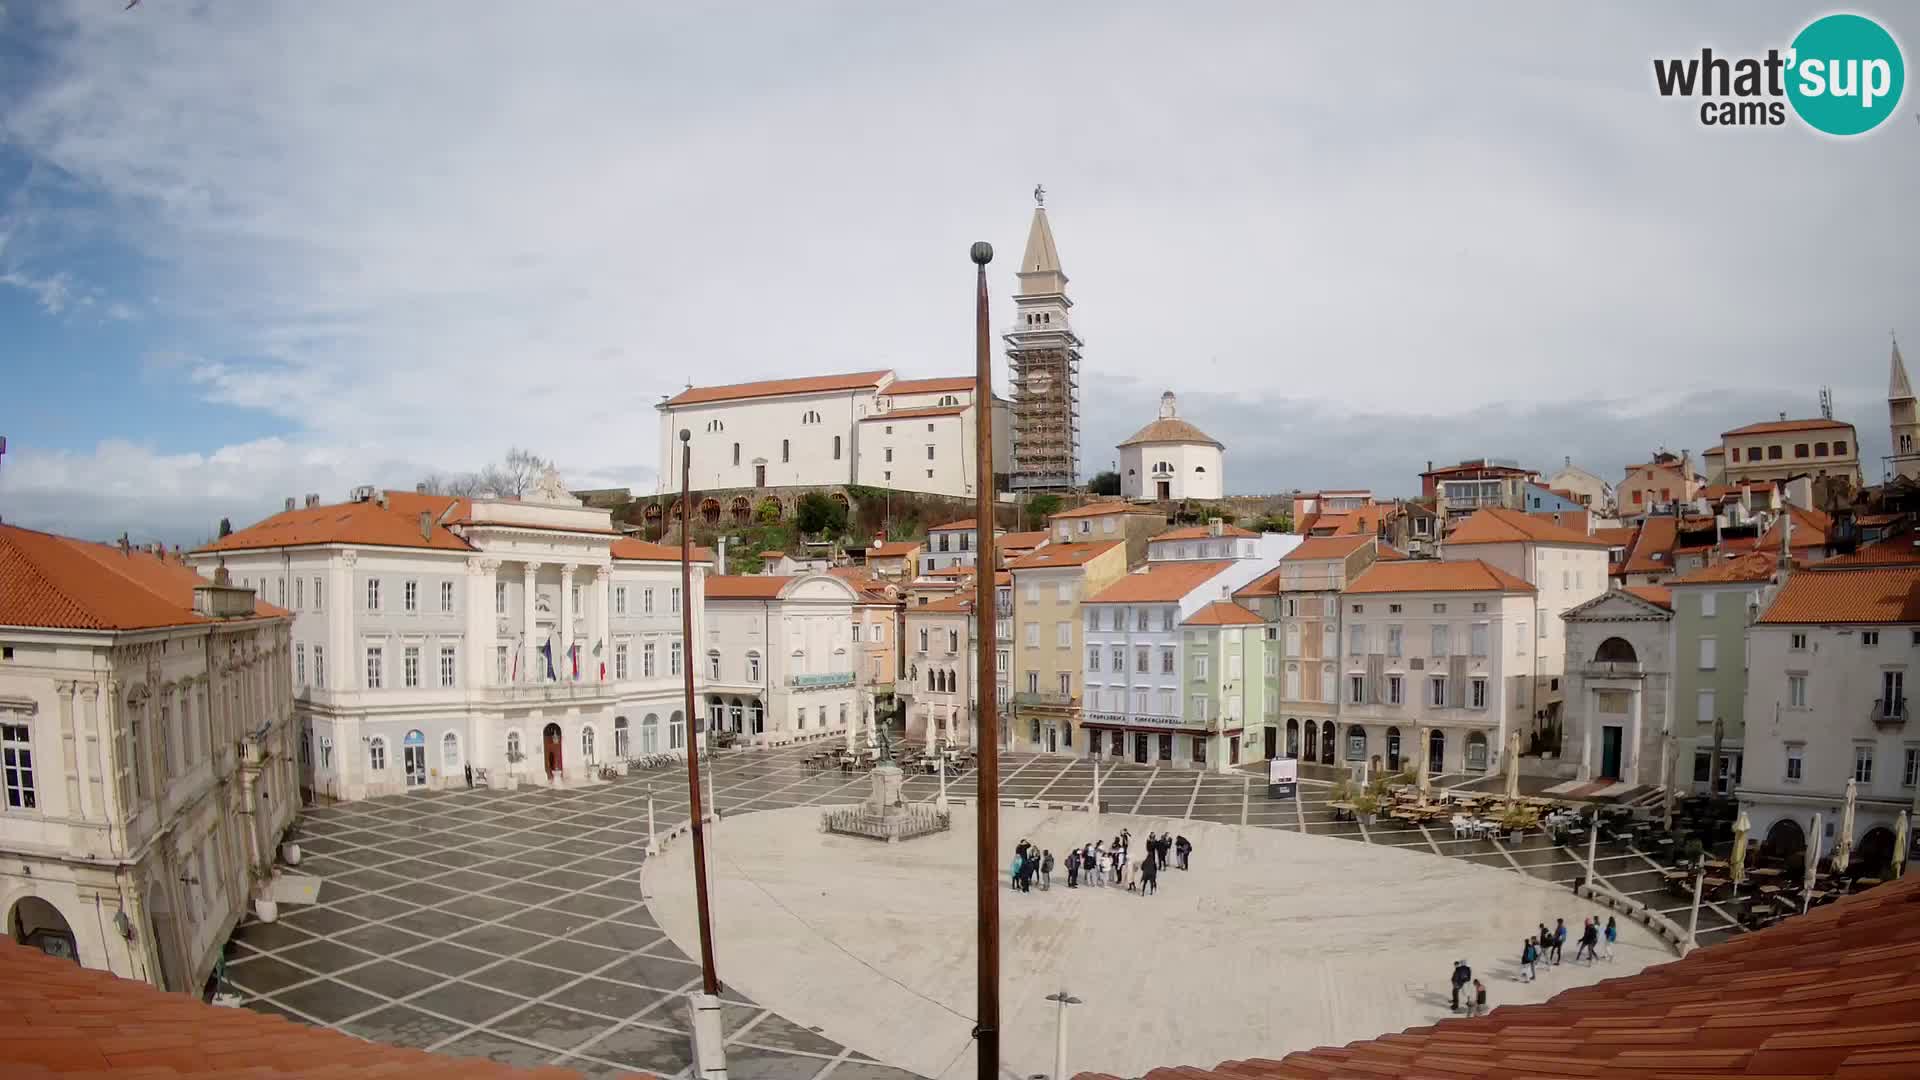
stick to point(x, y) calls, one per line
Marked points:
point(1060, 1033)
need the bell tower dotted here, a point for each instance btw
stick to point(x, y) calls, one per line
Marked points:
point(1044, 354)
point(1904, 462)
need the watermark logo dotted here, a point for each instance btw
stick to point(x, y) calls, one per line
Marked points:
point(1842, 75)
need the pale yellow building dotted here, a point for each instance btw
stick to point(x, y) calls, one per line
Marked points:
point(1048, 587)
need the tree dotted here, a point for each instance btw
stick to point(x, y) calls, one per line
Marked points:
point(226, 527)
point(510, 477)
point(1039, 506)
point(1105, 482)
point(816, 514)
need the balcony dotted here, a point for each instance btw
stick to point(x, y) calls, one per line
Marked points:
point(548, 692)
point(1614, 669)
point(833, 680)
point(1889, 714)
point(1044, 698)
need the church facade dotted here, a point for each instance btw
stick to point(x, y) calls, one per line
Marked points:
point(1170, 459)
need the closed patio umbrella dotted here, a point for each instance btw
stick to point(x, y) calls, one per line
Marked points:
point(1843, 844)
point(1813, 863)
point(1513, 766)
point(1737, 862)
point(1900, 842)
point(1426, 782)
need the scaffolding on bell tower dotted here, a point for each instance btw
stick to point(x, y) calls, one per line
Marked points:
point(1043, 354)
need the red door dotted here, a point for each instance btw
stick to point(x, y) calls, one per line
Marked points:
point(550, 740)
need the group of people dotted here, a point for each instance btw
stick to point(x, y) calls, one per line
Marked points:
point(1595, 944)
point(1102, 864)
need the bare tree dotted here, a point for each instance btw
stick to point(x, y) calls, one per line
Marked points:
point(512, 477)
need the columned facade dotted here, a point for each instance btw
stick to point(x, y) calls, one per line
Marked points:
point(1619, 722)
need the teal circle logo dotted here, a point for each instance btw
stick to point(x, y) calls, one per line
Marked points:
point(1845, 74)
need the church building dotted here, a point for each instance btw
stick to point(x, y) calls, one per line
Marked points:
point(1170, 459)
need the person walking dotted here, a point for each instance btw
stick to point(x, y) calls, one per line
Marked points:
point(1046, 871)
point(1546, 941)
point(1183, 848)
point(1073, 869)
point(1589, 942)
point(1559, 939)
point(1166, 849)
point(1099, 864)
point(1479, 1004)
point(1013, 873)
point(1149, 876)
point(1462, 974)
point(1529, 957)
point(1612, 935)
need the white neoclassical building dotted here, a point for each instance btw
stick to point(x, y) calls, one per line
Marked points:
point(522, 637)
point(864, 427)
point(1619, 688)
point(150, 769)
point(778, 657)
point(1170, 459)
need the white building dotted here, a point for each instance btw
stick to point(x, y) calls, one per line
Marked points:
point(866, 427)
point(1433, 651)
point(1565, 567)
point(150, 759)
point(778, 657)
point(954, 544)
point(1216, 540)
point(1619, 688)
point(1170, 459)
point(1827, 664)
point(521, 637)
point(1587, 489)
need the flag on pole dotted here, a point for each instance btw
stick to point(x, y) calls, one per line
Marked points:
point(573, 657)
point(518, 644)
point(603, 660)
point(546, 650)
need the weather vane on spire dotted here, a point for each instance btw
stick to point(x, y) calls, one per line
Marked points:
point(1039, 195)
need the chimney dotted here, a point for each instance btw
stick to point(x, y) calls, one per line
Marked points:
point(426, 525)
point(1215, 527)
point(289, 502)
point(380, 498)
point(721, 568)
point(313, 499)
point(123, 544)
point(420, 488)
point(1783, 418)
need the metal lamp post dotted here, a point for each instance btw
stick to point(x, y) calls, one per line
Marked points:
point(1064, 999)
point(987, 836)
point(709, 1050)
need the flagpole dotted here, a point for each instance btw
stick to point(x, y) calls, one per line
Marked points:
point(709, 980)
point(986, 1028)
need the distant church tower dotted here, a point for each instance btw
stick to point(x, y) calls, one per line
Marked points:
point(1901, 407)
point(1044, 354)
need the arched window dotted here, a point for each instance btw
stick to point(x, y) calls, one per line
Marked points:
point(650, 734)
point(1437, 752)
point(1477, 751)
point(1313, 741)
point(513, 746)
point(736, 716)
point(1616, 651)
point(450, 750)
point(1199, 468)
point(1356, 743)
point(326, 754)
point(377, 754)
point(586, 743)
point(676, 731)
point(836, 448)
point(621, 747)
point(1327, 734)
point(753, 667)
point(757, 716)
point(1293, 738)
point(1393, 749)
point(716, 713)
point(948, 400)
point(713, 664)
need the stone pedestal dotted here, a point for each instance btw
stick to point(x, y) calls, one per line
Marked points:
point(887, 781)
point(885, 815)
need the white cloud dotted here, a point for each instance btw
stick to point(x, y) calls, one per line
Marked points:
point(495, 224)
point(53, 293)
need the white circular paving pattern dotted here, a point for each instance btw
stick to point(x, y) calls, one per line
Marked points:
point(1274, 941)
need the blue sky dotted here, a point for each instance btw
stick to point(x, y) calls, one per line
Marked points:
point(251, 251)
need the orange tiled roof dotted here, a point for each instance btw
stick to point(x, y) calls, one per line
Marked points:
point(1159, 583)
point(1170, 429)
point(921, 411)
point(1106, 506)
point(1325, 547)
point(747, 586)
point(1755, 566)
point(959, 603)
point(894, 550)
point(954, 526)
point(1901, 550)
point(1430, 575)
point(1389, 553)
point(1617, 536)
point(1771, 426)
point(1658, 535)
point(813, 384)
point(1063, 555)
point(1494, 525)
point(1575, 520)
point(633, 549)
point(1809, 529)
point(1021, 540)
point(1653, 594)
point(57, 1017)
point(1834, 993)
point(1869, 595)
point(954, 385)
point(56, 582)
point(1200, 532)
point(364, 524)
point(1222, 613)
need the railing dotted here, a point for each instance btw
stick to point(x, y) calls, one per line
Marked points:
point(829, 681)
point(1043, 697)
point(537, 693)
point(1889, 712)
point(1615, 669)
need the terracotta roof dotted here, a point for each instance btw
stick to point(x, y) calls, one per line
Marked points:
point(1222, 613)
point(1718, 492)
point(1658, 535)
point(1105, 506)
point(1713, 451)
point(1171, 429)
point(931, 386)
point(1325, 547)
point(57, 1017)
point(1480, 466)
point(633, 549)
point(1652, 594)
point(747, 586)
point(922, 411)
point(1575, 520)
point(1200, 532)
point(1755, 566)
point(954, 526)
point(1267, 584)
point(1868, 595)
point(1388, 553)
point(1832, 993)
point(1159, 583)
point(950, 571)
point(1617, 536)
point(959, 603)
point(363, 524)
point(56, 582)
point(1809, 529)
point(1010, 541)
point(814, 384)
point(1063, 555)
point(1431, 575)
point(1772, 426)
point(1903, 550)
point(893, 550)
point(1361, 520)
point(1497, 526)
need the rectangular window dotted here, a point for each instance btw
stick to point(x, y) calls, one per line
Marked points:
point(447, 665)
point(16, 756)
point(1166, 660)
point(299, 664)
point(1356, 640)
point(753, 667)
point(1709, 653)
point(1797, 691)
point(318, 596)
point(410, 666)
point(1477, 693)
point(1797, 642)
point(1393, 640)
point(1910, 768)
point(1118, 656)
point(1869, 638)
point(499, 598)
point(1063, 635)
point(1705, 709)
point(320, 667)
point(373, 594)
point(1520, 639)
point(1093, 658)
point(446, 596)
point(574, 599)
point(619, 599)
point(1437, 687)
point(646, 601)
point(299, 592)
point(1199, 711)
point(929, 449)
point(1356, 689)
point(1439, 643)
point(1063, 592)
point(1480, 639)
point(673, 658)
point(501, 661)
point(1200, 667)
point(1393, 690)
point(1093, 618)
point(410, 593)
point(1893, 693)
point(1066, 684)
point(1479, 606)
point(1166, 619)
point(620, 660)
point(1707, 603)
point(1863, 764)
point(376, 664)
point(1033, 684)
point(786, 450)
point(1032, 635)
point(673, 601)
point(1140, 616)
point(647, 665)
point(713, 666)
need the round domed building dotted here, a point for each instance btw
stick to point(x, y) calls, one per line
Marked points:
point(1170, 460)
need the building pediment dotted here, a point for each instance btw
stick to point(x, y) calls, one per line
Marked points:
point(1617, 606)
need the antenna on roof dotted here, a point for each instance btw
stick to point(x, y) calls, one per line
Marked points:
point(1826, 403)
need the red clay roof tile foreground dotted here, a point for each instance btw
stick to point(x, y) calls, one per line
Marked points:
point(1835, 993)
point(1494, 525)
point(58, 1018)
point(57, 582)
point(1872, 595)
